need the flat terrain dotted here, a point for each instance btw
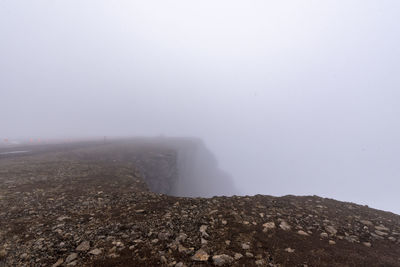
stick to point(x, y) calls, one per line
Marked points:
point(88, 204)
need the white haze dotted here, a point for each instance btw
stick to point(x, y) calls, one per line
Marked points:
point(293, 97)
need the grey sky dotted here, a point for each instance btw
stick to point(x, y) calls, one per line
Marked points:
point(294, 97)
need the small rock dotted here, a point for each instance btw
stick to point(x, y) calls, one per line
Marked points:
point(324, 235)
point(331, 242)
point(249, 255)
point(284, 226)
point(164, 235)
point(203, 229)
point(381, 228)
point(203, 241)
point(238, 256)
point(290, 250)
point(58, 263)
point(113, 255)
point(74, 263)
point(3, 254)
point(62, 218)
point(260, 262)
point(380, 233)
point(330, 229)
point(227, 242)
point(118, 243)
point(367, 244)
point(95, 251)
point(200, 255)
point(180, 264)
point(71, 257)
point(181, 237)
point(245, 246)
point(268, 226)
point(220, 260)
point(368, 223)
point(84, 246)
point(181, 248)
point(375, 236)
point(163, 259)
point(139, 211)
point(301, 232)
point(352, 238)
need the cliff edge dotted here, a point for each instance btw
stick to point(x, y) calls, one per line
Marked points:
point(136, 202)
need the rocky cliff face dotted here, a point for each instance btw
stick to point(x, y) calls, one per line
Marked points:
point(172, 166)
point(182, 167)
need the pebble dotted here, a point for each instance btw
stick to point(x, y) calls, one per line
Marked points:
point(223, 259)
point(58, 263)
point(74, 263)
point(200, 255)
point(268, 226)
point(203, 229)
point(245, 246)
point(260, 262)
point(381, 228)
point(181, 237)
point(71, 257)
point(84, 246)
point(238, 256)
point(301, 232)
point(181, 248)
point(249, 255)
point(95, 251)
point(113, 255)
point(139, 211)
point(380, 233)
point(367, 244)
point(330, 229)
point(365, 222)
point(3, 253)
point(163, 259)
point(285, 226)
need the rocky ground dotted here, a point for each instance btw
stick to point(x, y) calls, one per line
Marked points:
point(89, 205)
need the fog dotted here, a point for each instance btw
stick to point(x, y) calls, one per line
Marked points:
point(292, 97)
